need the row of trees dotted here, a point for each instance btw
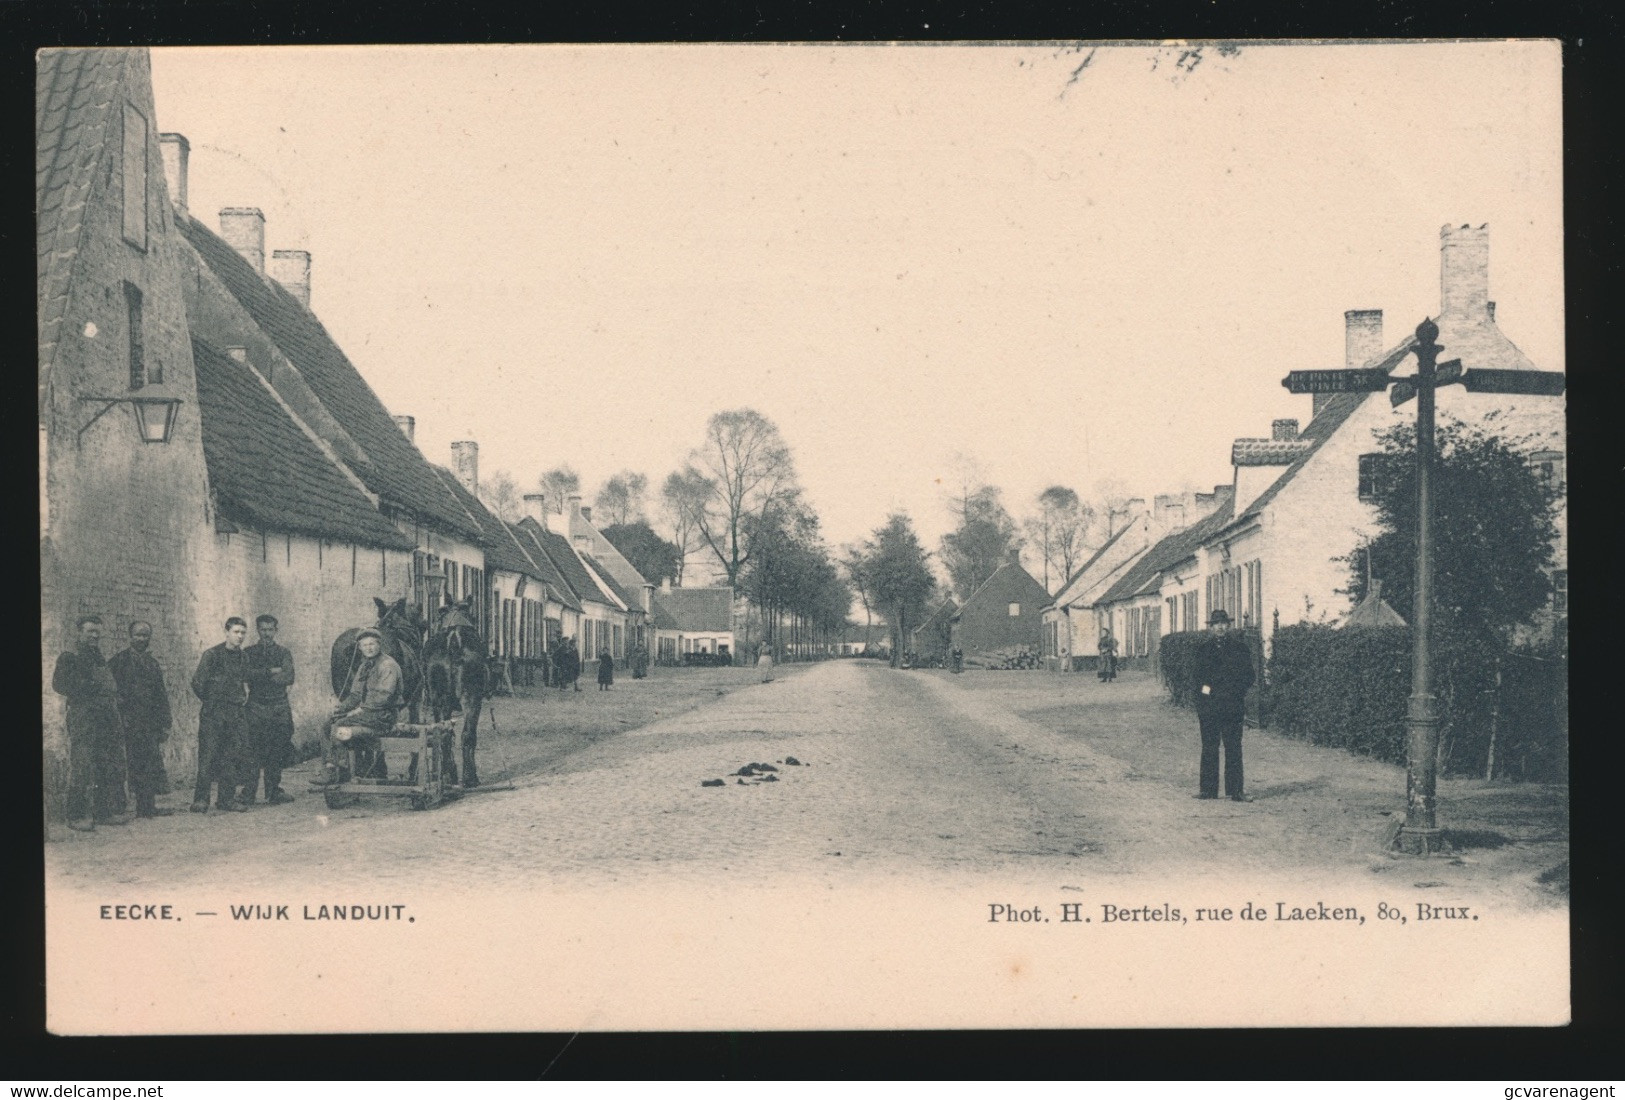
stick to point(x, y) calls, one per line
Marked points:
point(734, 504)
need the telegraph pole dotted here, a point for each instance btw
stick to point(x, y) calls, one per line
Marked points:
point(1420, 834)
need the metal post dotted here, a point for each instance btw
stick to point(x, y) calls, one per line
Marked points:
point(1420, 834)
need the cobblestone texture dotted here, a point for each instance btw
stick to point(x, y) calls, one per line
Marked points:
point(903, 774)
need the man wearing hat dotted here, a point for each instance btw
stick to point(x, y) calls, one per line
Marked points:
point(1223, 669)
point(372, 704)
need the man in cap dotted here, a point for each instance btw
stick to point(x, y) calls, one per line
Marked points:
point(371, 705)
point(221, 684)
point(95, 732)
point(270, 717)
point(1223, 671)
point(143, 704)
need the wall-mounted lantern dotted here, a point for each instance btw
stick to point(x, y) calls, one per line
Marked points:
point(154, 416)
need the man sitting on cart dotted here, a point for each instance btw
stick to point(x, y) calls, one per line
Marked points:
point(369, 709)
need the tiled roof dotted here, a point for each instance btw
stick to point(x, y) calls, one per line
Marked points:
point(633, 603)
point(525, 533)
point(697, 609)
point(501, 551)
point(266, 472)
point(563, 556)
point(946, 608)
point(1170, 550)
point(1006, 575)
point(1267, 452)
point(74, 92)
point(661, 619)
point(394, 469)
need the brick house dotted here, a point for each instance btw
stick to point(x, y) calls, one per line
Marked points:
point(599, 613)
point(1003, 612)
point(1303, 499)
point(629, 587)
point(125, 525)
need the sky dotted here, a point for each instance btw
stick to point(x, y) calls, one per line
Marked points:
point(1070, 264)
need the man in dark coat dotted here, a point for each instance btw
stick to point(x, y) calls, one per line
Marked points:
point(221, 684)
point(1223, 671)
point(95, 732)
point(143, 704)
point(270, 717)
point(606, 670)
point(572, 663)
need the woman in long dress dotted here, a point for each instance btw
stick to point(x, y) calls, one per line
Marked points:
point(764, 663)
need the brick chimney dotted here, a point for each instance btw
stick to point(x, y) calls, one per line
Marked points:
point(536, 508)
point(586, 514)
point(291, 268)
point(243, 227)
point(1168, 513)
point(1283, 429)
point(177, 152)
point(1362, 342)
point(408, 426)
point(465, 463)
point(1464, 271)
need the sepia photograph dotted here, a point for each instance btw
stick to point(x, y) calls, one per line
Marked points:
point(803, 536)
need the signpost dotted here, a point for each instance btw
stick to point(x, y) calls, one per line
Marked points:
point(1420, 834)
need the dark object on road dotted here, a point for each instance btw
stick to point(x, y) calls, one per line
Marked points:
point(792, 761)
point(741, 782)
point(768, 779)
point(753, 769)
point(712, 783)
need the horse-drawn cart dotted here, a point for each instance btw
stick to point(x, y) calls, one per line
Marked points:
point(416, 761)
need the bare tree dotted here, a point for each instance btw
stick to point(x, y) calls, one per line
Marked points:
point(500, 493)
point(1059, 530)
point(749, 467)
point(684, 497)
point(985, 534)
point(557, 484)
point(620, 501)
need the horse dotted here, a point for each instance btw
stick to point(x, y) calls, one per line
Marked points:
point(401, 630)
point(455, 666)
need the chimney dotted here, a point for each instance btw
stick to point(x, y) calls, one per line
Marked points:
point(243, 227)
point(1015, 555)
point(465, 462)
point(586, 514)
point(665, 584)
point(649, 597)
point(408, 426)
point(238, 354)
point(1283, 429)
point(572, 504)
point(291, 268)
point(536, 508)
point(1362, 342)
point(176, 151)
point(1168, 513)
point(1464, 271)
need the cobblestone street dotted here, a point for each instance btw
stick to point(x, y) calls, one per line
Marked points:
point(903, 773)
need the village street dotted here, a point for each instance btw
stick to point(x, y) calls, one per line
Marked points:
point(901, 773)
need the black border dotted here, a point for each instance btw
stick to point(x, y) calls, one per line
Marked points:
point(1585, 1050)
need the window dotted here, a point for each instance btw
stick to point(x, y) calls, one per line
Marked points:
point(1548, 467)
point(137, 336)
point(1015, 611)
point(1560, 591)
point(135, 177)
point(1370, 475)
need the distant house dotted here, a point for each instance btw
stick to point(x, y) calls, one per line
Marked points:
point(1004, 612)
point(692, 620)
point(600, 612)
point(932, 639)
point(1133, 607)
point(1303, 500)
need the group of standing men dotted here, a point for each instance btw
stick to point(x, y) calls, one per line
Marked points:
point(118, 718)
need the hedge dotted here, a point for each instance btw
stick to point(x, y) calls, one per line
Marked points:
point(1349, 688)
point(1176, 654)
